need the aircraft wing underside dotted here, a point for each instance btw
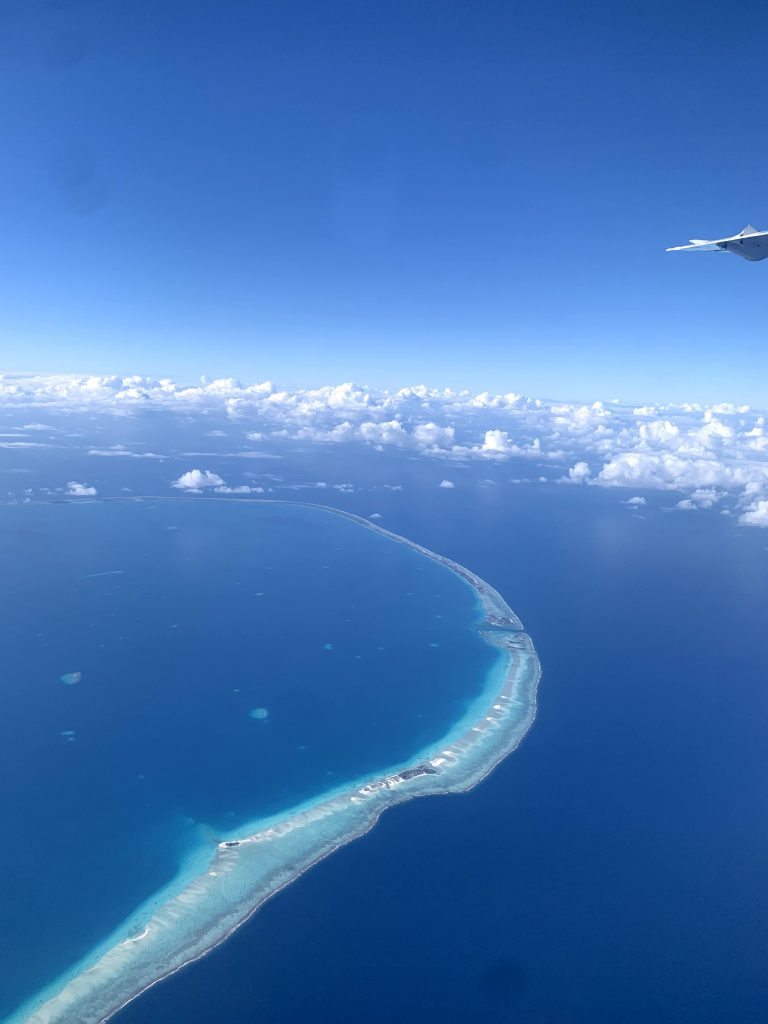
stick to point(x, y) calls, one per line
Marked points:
point(750, 244)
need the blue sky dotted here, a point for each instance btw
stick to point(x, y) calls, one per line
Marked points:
point(463, 194)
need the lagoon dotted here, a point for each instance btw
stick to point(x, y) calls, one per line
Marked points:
point(240, 666)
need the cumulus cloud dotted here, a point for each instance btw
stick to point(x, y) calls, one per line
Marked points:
point(671, 471)
point(636, 500)
point(448, 485)
point(579, 473)
point(498, 442)
point(430, 435)
point(389, 432)
point(756, 514)
point(702, 497)
point(197, 480)
point(685, 447)
point(77, 490)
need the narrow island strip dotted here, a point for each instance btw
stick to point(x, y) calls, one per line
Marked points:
point(245, 870)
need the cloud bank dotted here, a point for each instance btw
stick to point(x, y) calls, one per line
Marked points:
point(705, 452)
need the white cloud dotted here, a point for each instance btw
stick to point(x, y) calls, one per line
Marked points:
point(118, 451)
point(247, 454)
point(683, 447)
point(702, 497)
point(635, 501)
point(25, 444)
point(429, 435)
point(671, 471)
point(76, 490)
point(388, 432)
point(448, 485)
point(497, 441)
point(728, 408)
point(579, 473)
point(197, 480)
point(659, 432)
point(242, 489)
point(756, 514)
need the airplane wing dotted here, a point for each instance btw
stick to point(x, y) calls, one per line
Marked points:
point(698, 245)
point(750, 244)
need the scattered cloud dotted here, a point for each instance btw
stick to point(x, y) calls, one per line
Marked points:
point(76, 490)
point(246, 453)
point(636, 500)
point(320, 485)
point(449, 485)
point(756, 514)
point(702, 497)
point(242, 489)
point(25, 444)
point(119, 450)
point(198, 480)
point(695, 450)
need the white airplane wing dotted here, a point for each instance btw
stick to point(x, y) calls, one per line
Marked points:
point(698, 245)
point(750, 244)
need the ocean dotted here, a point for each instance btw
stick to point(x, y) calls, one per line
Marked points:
point(614, 868)
point(177, 668)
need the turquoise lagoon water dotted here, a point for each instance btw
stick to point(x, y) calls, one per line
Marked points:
point(175, 670)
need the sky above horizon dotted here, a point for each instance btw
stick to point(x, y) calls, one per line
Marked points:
point(470, 196)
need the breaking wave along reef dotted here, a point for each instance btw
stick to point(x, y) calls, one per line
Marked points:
point(199, 910)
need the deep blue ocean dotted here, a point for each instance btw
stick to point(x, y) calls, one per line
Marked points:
point(615, 868)
point(221, 660)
